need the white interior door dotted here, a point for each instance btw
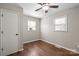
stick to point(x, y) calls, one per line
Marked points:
point(10, 31)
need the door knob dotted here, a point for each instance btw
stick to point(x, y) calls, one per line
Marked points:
point(17, 34)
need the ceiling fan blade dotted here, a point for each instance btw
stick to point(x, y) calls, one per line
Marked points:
point(54, 6)
point(38, 9)
point(41, 3)
point(46, 11)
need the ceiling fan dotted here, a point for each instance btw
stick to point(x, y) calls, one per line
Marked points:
point(46, 6)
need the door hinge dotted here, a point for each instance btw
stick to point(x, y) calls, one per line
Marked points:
point(2, 49)
point(2, 15)
point(2, 32)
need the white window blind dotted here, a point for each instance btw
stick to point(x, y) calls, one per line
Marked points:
point(61, 24)
point(31, 25)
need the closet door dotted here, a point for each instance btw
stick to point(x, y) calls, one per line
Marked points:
point(10, 31)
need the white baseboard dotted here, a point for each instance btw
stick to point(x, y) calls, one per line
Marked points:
point(32, 41)
point(21, 49)
point(59, 46)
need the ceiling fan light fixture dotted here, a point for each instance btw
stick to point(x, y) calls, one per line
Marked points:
point(45, 8)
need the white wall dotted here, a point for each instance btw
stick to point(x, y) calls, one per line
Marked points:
point(30, 35)
point(68, 39)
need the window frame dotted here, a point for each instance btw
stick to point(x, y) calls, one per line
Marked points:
point(66, 25)
point(35, 26)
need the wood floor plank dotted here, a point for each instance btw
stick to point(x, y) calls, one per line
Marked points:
point(41, 48)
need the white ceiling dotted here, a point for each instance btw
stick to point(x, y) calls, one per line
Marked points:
point(29, 9)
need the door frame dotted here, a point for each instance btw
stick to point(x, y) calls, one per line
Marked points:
point(1, 32)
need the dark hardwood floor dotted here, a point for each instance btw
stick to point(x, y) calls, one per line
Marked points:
point(41, 48)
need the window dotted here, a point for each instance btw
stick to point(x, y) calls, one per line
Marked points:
point(61, 24)
point(31, 25)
